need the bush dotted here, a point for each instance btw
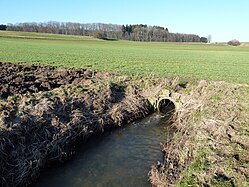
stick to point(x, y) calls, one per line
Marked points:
point(204, 40)
point(234, 43)
point(100, 35)
point(3, 27)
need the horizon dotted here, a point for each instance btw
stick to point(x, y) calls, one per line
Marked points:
point(223, 21)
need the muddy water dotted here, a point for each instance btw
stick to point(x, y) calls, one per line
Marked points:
point(122, 157)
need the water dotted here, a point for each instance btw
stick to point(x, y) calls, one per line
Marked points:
point(122, 157)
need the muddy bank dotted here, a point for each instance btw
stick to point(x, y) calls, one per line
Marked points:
point(40, 127)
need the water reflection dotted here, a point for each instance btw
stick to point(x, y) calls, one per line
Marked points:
point(119, 158)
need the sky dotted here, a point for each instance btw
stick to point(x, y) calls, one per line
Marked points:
point(224, 20)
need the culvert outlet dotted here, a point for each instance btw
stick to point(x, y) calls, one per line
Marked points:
point(166, 106)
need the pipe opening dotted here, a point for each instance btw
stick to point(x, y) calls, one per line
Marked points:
point(166, 106)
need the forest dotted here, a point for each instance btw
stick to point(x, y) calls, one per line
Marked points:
point(136, 32)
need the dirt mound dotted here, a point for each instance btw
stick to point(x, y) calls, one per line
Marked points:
point(20, 79)
point(39, 129)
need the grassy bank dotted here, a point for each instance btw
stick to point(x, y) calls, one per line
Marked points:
point(211, 145)
point(201, 61)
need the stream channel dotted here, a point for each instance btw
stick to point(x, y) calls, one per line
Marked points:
point(122, 157)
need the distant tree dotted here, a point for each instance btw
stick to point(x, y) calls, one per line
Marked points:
point(204, 40)
point(158, 27)
point(234, 42)
point(136, 32)
point(100, 35)
point(123, 29)
point(3, 27)
point(129, 29)
point(209, 38)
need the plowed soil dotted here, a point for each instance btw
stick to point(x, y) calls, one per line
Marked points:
point(20, 79)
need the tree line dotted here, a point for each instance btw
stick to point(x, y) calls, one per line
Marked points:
point(136, 32)
point(3, 27)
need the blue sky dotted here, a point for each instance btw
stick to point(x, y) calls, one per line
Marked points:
point(223, 19)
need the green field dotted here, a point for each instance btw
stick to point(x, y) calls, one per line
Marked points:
point(201, 61)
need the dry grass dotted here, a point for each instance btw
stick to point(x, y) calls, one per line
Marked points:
point(39, 129)
point(211, 144)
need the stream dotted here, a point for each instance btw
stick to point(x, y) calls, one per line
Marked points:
point(122, 157)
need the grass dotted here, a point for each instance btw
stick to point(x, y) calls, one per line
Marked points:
point(198, 165)
point(200, 61)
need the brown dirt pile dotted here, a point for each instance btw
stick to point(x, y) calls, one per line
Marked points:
point(38, 129)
